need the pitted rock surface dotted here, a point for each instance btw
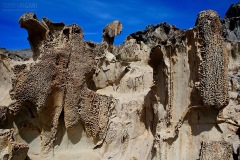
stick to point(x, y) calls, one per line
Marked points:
point(163, 91)
point(213, 68)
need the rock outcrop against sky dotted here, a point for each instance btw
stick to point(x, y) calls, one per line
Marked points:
point(164, 94)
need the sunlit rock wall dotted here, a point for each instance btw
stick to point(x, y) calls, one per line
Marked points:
point(164, 94)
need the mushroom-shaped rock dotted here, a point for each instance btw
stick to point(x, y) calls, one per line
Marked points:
point(37, 31)
point(110, 31)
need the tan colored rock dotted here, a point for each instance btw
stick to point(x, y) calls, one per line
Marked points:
point(35, 35)
point(110, 31)
point(58, 83)
point(5, 79)
point(216, 150)
point(163, 91)
point(10, 149)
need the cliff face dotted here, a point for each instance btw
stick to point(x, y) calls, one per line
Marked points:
point(164, 94)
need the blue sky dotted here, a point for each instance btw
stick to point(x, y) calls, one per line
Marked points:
point(93, 15)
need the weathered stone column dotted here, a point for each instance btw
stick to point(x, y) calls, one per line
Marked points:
point(214, 58)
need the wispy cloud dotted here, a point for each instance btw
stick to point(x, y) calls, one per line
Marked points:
point(104, 16)
point(91, 33)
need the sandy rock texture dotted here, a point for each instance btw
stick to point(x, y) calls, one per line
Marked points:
point(165, 93)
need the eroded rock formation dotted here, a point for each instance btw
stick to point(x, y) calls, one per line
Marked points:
point(231, 23)
point(110, 31)
point(213, 68)
point(163, 91)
